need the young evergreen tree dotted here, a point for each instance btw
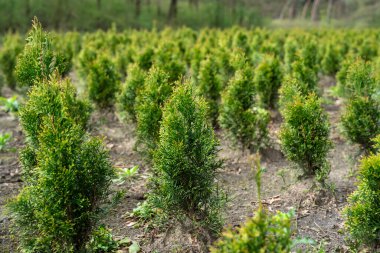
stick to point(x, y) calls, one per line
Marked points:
point(244, 122)
point(362, 213)
point(209, 86)
point(267, 79)
point(11, 47)
point(157, 89)
point(186, 161)
point(361, 117)
point(304, 135)
point(130, 90)
point(38, 60)
point(103, 81)
point(67, 173)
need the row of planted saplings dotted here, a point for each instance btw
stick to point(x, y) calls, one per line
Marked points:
point(173, 127)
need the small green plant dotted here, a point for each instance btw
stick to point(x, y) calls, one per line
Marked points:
point(304, 135)
point(9, 104)
point(124, 174)
point(186, 162)
point(305, 75)
point(5, 138)
point(130, 90)
point(102, 241)
point(103, 81)
point(38, 60)
point(362, 213)
point(11, 48)
point(150, 101)
point(267, 79)
point(245, 123)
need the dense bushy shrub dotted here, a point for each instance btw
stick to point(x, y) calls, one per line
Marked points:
point(145, 59)
point(341, 75)
point(169, 60)
point(290, 53)
point(303, 74)
point(243, 121)
point(129, 91)
point(331, 60)
point(11, 47)
point(103, 81)
point(38, 60)
point(150, 101)
point(267, 79)
point(186, 161)
point(67, 174)
point(361, 120)
point(360, 79)
point(209, 86)
point(363, 211)
point(304, 135)
point(56, 98)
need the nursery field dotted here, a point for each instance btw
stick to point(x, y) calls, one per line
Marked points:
point(216, 140)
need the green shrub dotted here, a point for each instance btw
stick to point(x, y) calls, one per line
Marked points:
point(360, 79)
point(209, 86)
point(103, 81)
point(267, 79)
point(150, 100)
point(169, 60)
point(53, 97)
point(263, 233)
point(186, 161)
point(361, 120)
point(38, 60)
point(290, 53)
point(244, 122)
point(290, 88)
point(331, 60)
point(341, 75)
point(129, 91)
point(305, 75)
point(67, 174)
point(145, 59)
point(304, 135)
point(11, 48)
point(362, 215)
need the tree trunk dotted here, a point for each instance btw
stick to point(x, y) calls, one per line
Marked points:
point(172, 14)
point(314, 10)
point(305, 9)
point(292, 9)
point(137, 8)
point(329, 7)
point(282, 14)
point(159, 11)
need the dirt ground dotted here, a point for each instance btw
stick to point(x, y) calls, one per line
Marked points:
point(317, 211)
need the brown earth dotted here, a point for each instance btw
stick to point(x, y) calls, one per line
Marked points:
point(317, 210)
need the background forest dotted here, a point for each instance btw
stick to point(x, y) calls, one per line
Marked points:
point(87, 15)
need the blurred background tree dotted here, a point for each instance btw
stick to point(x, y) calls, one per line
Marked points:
point(88, 15)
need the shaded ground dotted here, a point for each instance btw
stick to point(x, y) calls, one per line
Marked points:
point(317, 211)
